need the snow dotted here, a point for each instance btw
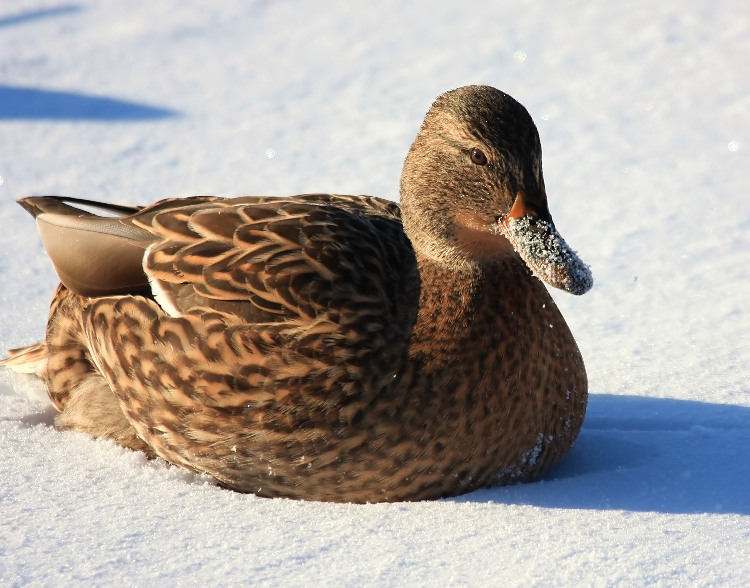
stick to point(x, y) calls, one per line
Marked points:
point(644, 113)
point(547, 254)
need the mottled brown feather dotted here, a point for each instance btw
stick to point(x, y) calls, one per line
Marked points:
point(340, 348)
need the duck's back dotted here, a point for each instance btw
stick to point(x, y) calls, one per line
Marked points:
point(271, 259)
point(274, 323)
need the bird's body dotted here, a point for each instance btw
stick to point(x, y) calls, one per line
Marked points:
point(330, 347)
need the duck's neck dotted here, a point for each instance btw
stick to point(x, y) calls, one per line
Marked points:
point(472, 307)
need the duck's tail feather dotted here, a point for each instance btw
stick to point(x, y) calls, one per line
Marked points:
point(27, 360)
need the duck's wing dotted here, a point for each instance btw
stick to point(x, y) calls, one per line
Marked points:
point(248, 400)
point(95, 255)
point(278, 259)
point(263, 259)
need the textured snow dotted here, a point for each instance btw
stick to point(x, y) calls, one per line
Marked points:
point(644, 113)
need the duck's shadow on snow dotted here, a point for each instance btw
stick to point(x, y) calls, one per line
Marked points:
point(19, 103)
point(23, 103)
point(647, 454)
point(36, 14)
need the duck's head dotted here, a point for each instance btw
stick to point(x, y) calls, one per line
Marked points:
point(472, 189)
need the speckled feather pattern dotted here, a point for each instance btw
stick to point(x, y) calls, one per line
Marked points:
point(309, 347)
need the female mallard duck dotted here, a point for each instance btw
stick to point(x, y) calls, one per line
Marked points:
point(329, 347)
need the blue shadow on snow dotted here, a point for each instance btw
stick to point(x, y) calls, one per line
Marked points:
point(30, 15)
point(643, 454)
point(17, 103)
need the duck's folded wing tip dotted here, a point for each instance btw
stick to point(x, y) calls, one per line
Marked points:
point(36, 205)
point(93, 256)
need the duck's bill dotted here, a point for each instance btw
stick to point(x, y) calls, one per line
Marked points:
point(547, 254)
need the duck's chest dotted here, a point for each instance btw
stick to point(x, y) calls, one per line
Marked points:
point(490, 332)
point(495, 389)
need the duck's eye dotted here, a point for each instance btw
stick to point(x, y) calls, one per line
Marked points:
point(478, 157)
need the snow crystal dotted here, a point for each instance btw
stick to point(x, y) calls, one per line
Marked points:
point(548, 256)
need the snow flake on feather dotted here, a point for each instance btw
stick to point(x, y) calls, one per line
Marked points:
point(530, 456)
point(548, 256)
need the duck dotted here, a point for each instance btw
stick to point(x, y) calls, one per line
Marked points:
point(329, 347)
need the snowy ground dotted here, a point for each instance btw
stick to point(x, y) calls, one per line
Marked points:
point(644, 114)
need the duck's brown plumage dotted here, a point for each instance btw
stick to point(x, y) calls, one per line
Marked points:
point(330, 347)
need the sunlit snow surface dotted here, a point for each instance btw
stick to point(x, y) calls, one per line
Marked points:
point(644, 113)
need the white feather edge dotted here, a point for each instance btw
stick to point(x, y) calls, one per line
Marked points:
point(163, 298)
